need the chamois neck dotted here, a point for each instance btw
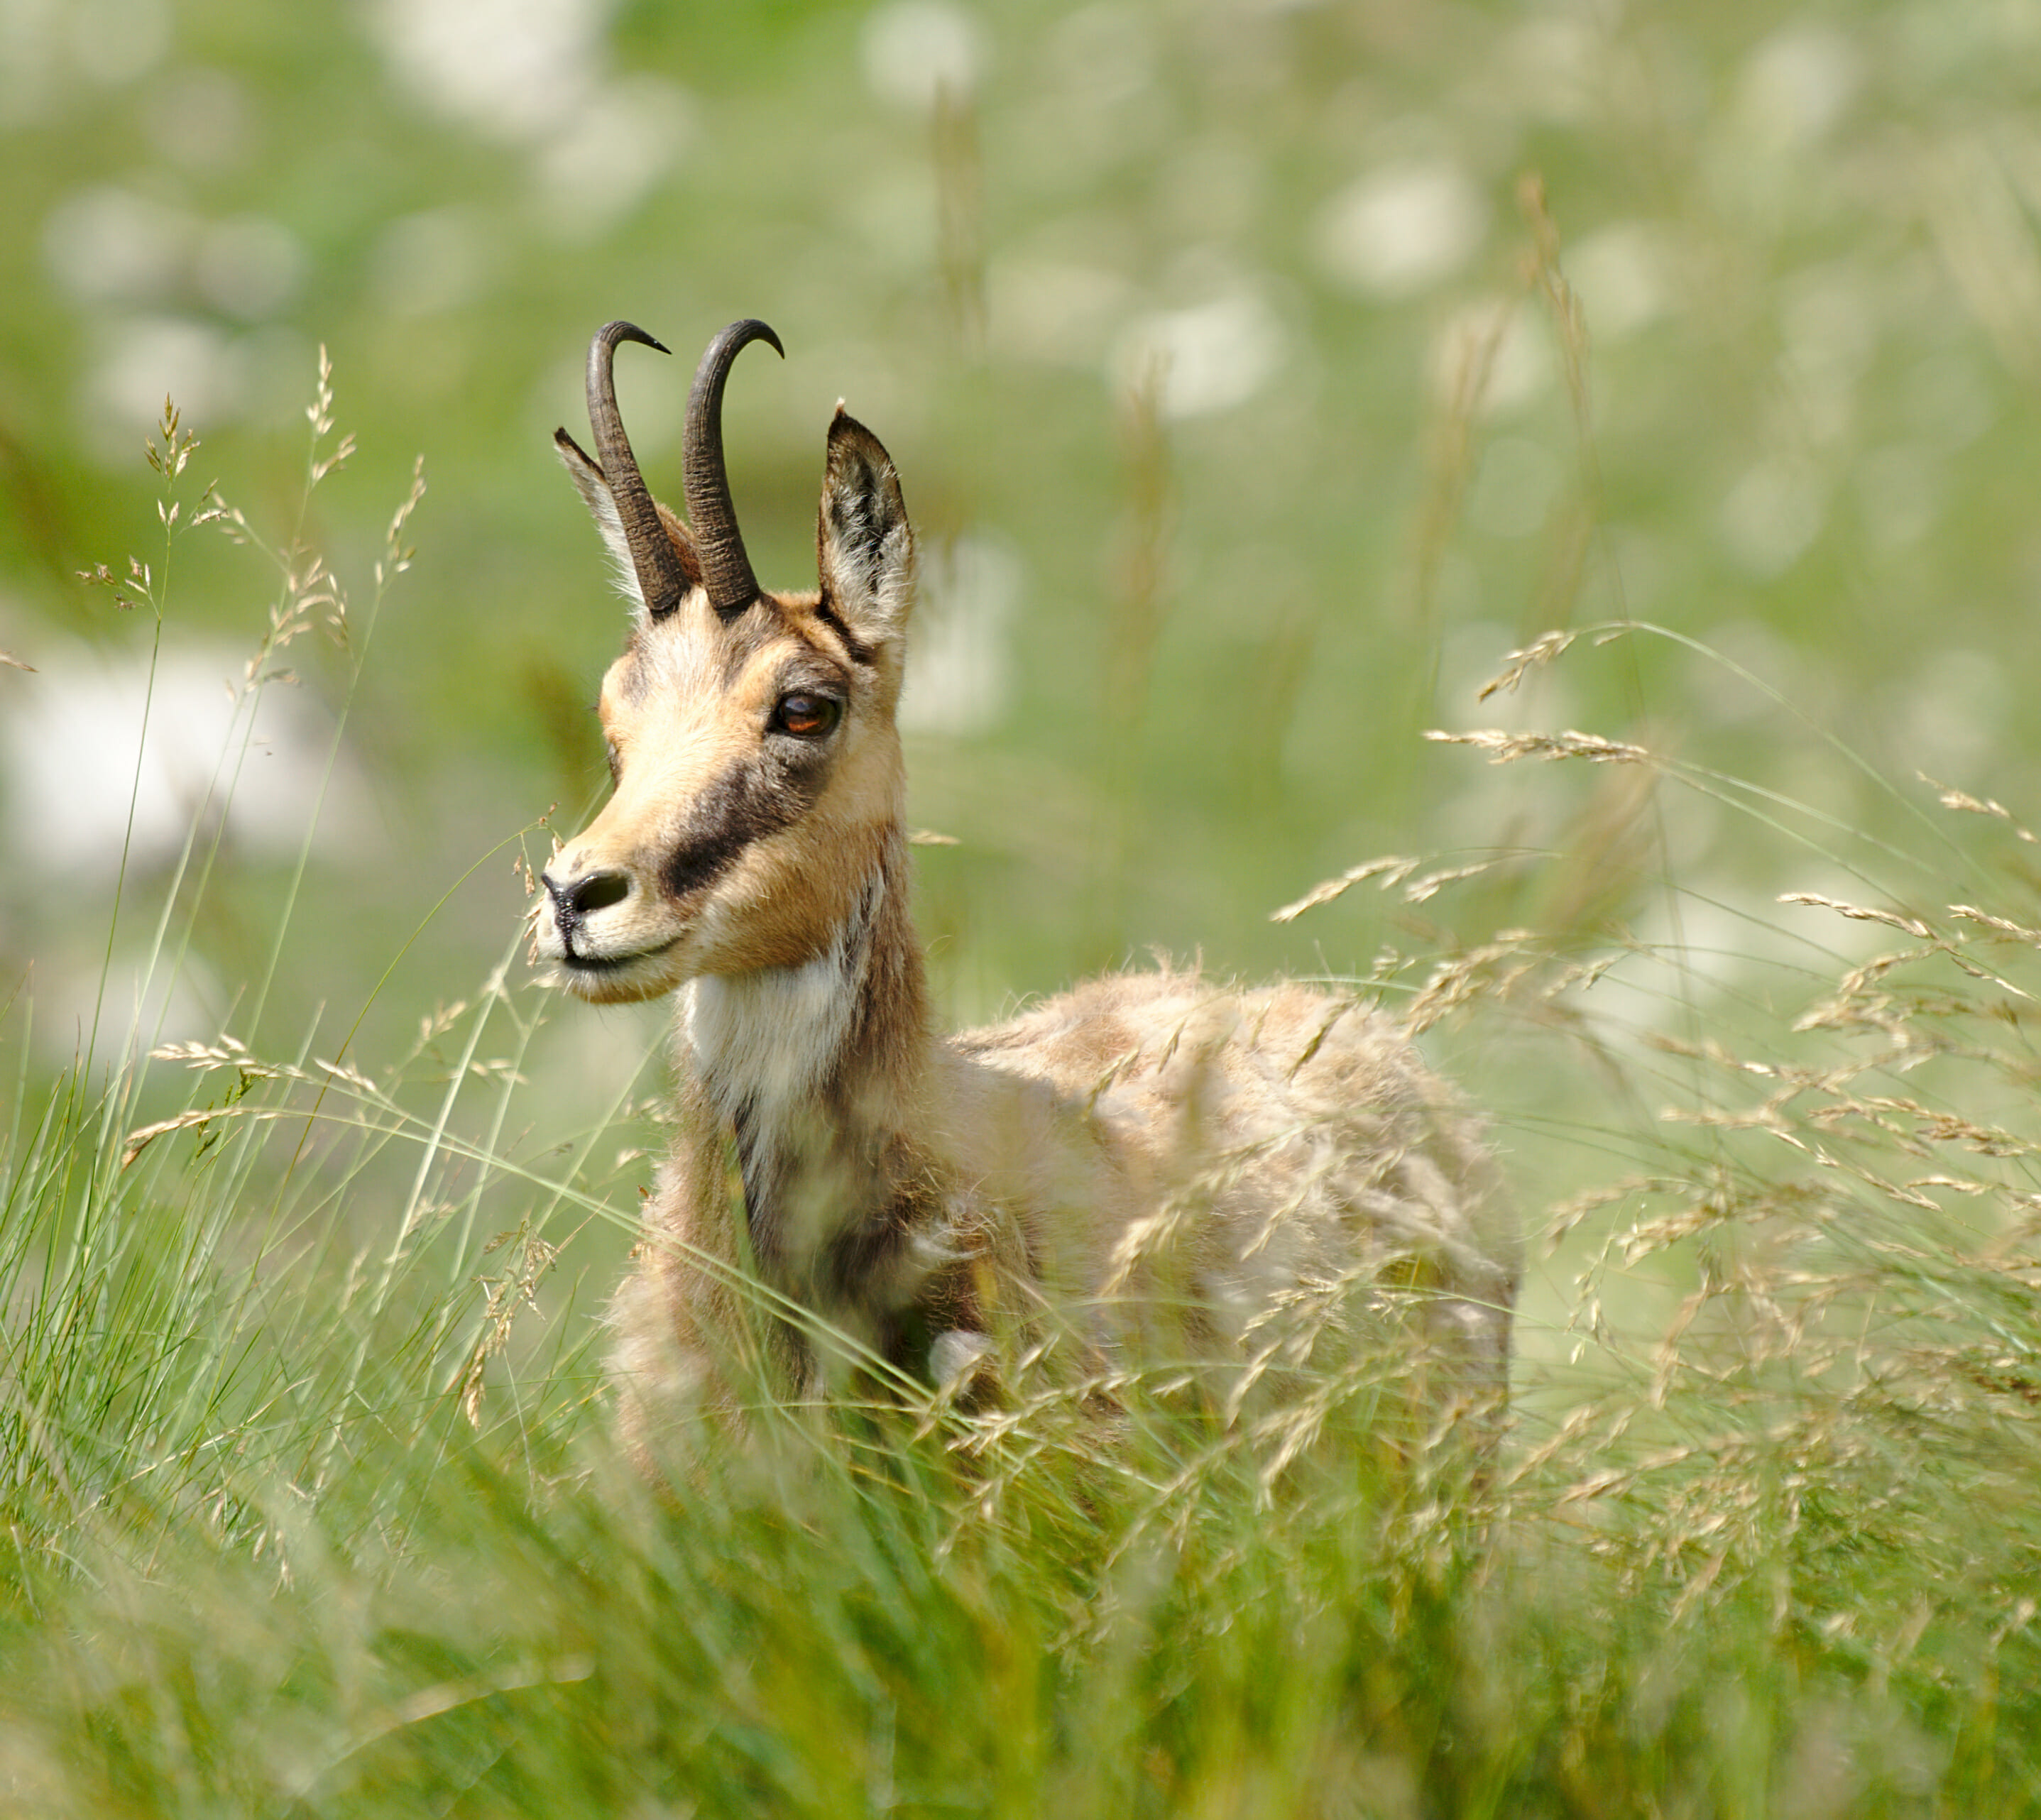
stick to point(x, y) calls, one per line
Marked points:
point(816, 1068)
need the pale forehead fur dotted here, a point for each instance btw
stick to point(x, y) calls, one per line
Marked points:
point(681, 657)
point(693, 660)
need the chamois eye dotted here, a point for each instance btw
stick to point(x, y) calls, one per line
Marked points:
point(807, 716)
point(615, 766)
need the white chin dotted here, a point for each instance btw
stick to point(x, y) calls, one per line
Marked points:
point(615, 981)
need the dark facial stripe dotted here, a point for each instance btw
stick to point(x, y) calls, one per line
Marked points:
point(736, 810)
point(754, 798)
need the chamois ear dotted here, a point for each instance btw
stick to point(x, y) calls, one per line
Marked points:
point(586, 474)
point(864, 547)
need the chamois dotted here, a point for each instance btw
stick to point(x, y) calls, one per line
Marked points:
point(1149, 1157)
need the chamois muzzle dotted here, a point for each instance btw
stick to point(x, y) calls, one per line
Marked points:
point(661, 580)
point(575, 899)
point(726, 569)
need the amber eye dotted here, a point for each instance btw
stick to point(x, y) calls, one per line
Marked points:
point(807, 716)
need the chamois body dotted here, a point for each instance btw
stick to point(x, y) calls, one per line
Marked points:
point(1151, 1161)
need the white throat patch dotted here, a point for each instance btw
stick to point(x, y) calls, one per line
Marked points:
point(765, 1041)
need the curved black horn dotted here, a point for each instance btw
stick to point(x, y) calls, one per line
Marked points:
point(726, 569)
point(660, 579)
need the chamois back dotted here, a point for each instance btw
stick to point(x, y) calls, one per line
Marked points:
point(1248, 1142)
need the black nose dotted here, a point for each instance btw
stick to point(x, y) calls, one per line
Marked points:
point(578, 897)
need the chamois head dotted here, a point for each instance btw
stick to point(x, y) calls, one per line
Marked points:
point(750, 734)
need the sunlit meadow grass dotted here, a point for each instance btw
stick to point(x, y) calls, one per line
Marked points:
point(312, 1505)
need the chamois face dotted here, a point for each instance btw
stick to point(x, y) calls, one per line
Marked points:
point(757, 767)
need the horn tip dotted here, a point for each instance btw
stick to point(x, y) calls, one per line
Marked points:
point(610, 334)
point(750, 329)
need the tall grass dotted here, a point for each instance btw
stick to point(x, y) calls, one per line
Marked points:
point(311, 1504)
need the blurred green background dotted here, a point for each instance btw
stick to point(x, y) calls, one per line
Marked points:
point(1243, 420)
point(1261, 376)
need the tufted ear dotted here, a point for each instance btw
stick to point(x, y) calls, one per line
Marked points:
point(864, 547)
point(587, 477)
